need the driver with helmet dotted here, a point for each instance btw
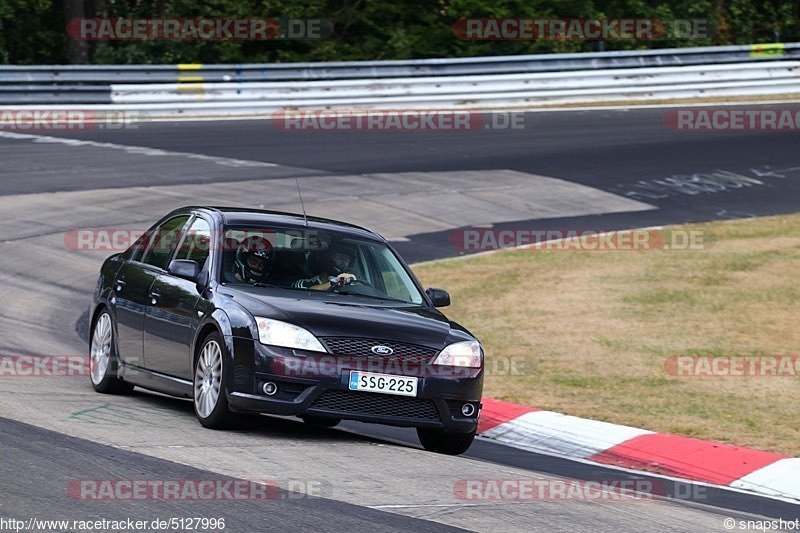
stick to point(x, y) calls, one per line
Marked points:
point(254, 258)
point(337, 270)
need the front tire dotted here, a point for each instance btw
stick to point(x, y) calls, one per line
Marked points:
point(103, 361)
point(210, 394)
point(441, 441)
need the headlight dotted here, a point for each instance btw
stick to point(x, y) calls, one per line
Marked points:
point(277, 333)
point(468, 354)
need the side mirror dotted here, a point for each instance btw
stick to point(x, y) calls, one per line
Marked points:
point(202, 280)
point(184, 268)
point(439, 297)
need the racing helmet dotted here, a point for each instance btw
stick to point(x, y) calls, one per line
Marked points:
point(254, 259)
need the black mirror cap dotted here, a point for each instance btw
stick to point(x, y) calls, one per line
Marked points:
point(439, 297)
point(202, 279)
point(184, 268)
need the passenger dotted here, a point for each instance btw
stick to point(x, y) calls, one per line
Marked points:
point(337, 269)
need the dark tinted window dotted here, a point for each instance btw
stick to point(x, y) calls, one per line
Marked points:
point(163, 241)
point(136, 251)
point(196, 243)
point(312, 260)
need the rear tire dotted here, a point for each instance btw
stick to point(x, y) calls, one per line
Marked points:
point(210, 396)
point(321, 421)
point(446, 442)
point(103, 362)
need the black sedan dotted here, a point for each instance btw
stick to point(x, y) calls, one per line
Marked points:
point(264, 312)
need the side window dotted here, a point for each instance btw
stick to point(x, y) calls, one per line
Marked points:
point(196, 243)
point(164, 239)
point(138, 248)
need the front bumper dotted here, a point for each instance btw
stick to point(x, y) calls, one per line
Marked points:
point(317, 384)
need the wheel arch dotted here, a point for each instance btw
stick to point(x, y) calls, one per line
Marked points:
point(98, 310)
point(217, 321)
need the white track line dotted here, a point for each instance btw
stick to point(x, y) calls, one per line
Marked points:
point(136, 150)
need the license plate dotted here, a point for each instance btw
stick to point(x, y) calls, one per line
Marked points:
point(383, 383)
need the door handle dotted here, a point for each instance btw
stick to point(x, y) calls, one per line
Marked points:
point(154, 296)
point(120, 285)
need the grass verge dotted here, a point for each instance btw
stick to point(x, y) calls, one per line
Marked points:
point(589, 332)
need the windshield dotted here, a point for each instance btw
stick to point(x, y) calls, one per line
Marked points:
point(313, 260)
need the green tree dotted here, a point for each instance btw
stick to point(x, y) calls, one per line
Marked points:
point(33, 31)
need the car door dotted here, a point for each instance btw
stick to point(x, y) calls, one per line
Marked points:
point(133, 287)
point(176, 307)
point(131, 298)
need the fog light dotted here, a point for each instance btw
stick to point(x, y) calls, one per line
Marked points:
point(269, 388)
point(467, 409)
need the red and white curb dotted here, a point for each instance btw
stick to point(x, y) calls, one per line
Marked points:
point(672, 456)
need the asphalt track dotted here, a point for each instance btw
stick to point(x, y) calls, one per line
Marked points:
point(601, 157)
point(49, 458)
point(609, 150)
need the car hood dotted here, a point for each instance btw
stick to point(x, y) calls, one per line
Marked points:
point(329, 315)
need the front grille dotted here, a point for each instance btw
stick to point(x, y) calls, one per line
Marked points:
point(366, 403)
point(359, 347)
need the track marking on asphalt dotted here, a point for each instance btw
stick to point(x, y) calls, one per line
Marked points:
point(137, 150)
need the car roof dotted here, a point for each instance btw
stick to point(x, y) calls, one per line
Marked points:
point(239, 216)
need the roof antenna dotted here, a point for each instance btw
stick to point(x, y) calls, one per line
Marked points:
point(302, 205)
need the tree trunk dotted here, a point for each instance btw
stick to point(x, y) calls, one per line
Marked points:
point(77, 49)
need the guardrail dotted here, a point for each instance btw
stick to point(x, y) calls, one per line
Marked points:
point(107, 74)
point(752, 70)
